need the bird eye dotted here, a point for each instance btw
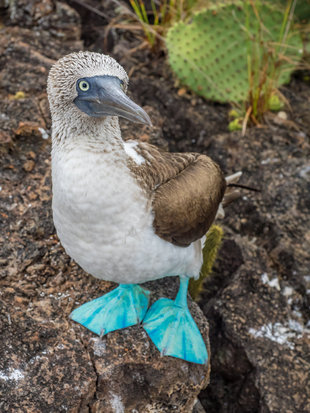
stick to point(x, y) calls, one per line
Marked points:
point(84, 86)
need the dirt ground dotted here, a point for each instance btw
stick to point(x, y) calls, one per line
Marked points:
point(257, 301)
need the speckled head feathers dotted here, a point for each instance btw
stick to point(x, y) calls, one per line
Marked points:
point(61, 84)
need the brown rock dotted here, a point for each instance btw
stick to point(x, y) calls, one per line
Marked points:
point(43, 367)
point(6, 141)
point(29, 165)
point(28, 129)
point(50, 363)
point(258, 299)
point(55, 16)
point(26, 54)
point(135, 377)
point(260, 359)
point(31, 155)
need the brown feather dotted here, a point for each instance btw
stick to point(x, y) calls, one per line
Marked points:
point(185, 188)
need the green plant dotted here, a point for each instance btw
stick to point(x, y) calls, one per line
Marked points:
point(272, 55)
point(162, 15)
point(238, 52)
point(275, 103)
point(209, 252)
point(235, 124)
point(140, 10)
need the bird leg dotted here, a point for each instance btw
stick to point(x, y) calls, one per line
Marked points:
point(173, 330)
point(122, 307)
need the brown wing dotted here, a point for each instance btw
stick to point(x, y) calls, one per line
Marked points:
point(186, 190)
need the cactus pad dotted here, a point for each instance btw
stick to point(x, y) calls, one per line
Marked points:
point(210, 54)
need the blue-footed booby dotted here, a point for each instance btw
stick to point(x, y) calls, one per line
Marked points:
point(126, 211)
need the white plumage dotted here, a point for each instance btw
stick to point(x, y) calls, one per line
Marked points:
point(104, 220)
point(102, 216)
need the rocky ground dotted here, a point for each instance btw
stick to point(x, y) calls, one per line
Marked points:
point(256, 301)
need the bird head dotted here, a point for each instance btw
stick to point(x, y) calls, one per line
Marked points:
point(93, 84)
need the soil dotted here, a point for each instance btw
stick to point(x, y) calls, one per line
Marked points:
point(261, 279)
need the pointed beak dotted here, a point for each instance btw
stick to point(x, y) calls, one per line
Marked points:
point(106, 97)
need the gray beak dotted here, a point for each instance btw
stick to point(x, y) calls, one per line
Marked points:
point(105, 97)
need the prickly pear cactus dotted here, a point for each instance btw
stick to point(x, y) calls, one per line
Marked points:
point(210, 54)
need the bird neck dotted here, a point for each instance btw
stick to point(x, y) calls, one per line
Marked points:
point(96, 134)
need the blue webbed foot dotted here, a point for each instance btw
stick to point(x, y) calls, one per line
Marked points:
point(122, 307)
point(173, 330)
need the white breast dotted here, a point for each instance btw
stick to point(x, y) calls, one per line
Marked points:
point(104, 220)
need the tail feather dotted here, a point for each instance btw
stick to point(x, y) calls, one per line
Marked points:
point(234, 178)
point(231, 193)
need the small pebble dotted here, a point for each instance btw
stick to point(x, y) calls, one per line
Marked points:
point(32, 196)
point(31, 155)
point(181, 91)
point(29, 165)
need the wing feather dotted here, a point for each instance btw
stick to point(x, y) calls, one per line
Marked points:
point(186, 190)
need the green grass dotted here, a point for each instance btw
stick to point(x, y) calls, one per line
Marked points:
point(163, 14)
point(267, 61)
